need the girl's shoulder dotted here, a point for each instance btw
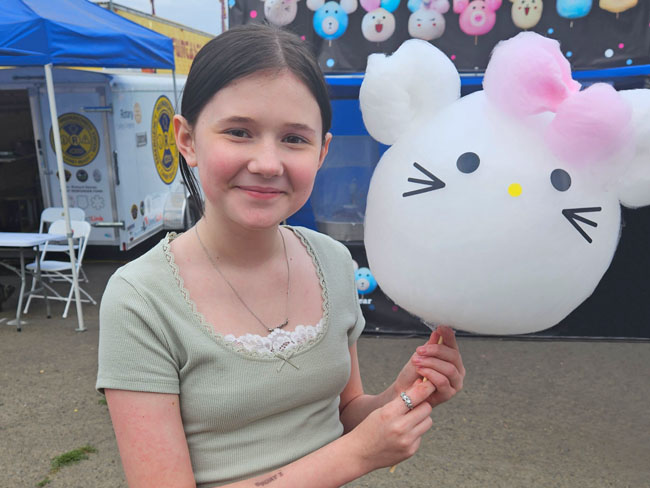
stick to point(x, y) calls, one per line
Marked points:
point(321, 243)
point(150, 267)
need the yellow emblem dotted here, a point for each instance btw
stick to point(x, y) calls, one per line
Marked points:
point(165, 153)
point(79, 139)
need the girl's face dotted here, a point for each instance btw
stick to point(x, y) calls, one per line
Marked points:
point(257, 145)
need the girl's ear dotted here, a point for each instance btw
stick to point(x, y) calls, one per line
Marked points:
point(634, 186)
point(416, 81)
point(184, 140)
point(324, 149)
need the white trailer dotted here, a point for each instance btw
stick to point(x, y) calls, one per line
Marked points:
point(121, 161)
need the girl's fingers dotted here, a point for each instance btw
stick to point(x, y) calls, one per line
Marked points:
point(422, 427)
point(445, 368)
point(448, 336)
point(442, 384)
point(417, 394)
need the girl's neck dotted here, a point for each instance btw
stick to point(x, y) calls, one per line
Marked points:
point(234, 245)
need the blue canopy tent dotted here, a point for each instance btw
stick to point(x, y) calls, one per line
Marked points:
point(75, 33)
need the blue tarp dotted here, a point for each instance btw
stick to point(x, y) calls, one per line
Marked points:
point(77, 33)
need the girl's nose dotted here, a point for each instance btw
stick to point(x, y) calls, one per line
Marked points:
point(514, 189)
point(266, 161)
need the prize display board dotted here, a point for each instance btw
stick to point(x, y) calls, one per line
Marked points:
point(593, 34)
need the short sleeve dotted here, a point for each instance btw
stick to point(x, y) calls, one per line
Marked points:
point(355, 331)
point(134, 353)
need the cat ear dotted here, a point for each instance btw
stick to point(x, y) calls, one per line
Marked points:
point(418, 79)
point(634, 186)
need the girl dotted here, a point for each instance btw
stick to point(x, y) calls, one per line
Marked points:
point(228, 353)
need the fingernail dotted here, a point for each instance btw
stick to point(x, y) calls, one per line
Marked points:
point(417, 359)
point(420, 350)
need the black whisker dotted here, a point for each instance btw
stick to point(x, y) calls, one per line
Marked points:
point(572, 216)
point(585, 220)
point(417, 192)
point(425, 171)
point(432, 184)
point(417, 180)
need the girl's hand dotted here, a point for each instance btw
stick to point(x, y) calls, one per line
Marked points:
point(441, 364)
point(392, 433)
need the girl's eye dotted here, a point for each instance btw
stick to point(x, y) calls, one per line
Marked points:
point(468, 162)
point(294, 139)
point(560, 180)
point(237, 132)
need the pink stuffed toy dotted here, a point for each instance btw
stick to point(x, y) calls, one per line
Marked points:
point(477, 17)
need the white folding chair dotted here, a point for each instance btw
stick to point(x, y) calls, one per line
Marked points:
point(52, 214)
point(53, 270)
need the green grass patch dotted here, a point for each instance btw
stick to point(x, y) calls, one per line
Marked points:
point(44, 482)
point(102, 401)
point(71, 457)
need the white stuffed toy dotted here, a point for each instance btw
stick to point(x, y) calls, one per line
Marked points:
point(498, 212)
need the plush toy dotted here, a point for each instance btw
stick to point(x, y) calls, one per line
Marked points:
point(573, 9)
point(498, 212)
point(617, 6)
point(427, 20)
point(331, 18)
point(280, 12)
point(477, 17)
point(365, 281)
point(526, 13)
point(378, 24)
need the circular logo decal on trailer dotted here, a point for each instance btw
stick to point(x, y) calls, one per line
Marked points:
point(165, 153)
point(79, 139)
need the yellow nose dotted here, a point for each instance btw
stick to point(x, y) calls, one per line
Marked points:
point(514, 189)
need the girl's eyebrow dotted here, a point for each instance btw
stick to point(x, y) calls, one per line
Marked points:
point(301, 127)
point(238, 119)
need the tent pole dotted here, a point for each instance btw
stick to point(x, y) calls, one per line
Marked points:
point(64, 192)
point(175, 91)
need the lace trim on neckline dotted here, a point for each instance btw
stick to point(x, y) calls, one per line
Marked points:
point(237, 346)
point(278, 341)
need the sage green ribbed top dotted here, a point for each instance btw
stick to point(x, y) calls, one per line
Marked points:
point(243, 413)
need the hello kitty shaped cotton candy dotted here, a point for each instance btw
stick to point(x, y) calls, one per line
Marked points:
point(498, 212)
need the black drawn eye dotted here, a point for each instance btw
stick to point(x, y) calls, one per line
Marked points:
point(468, 162)
point(560, 180)
point(433, 183)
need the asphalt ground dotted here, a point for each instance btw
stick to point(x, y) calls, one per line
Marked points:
point(533, 413)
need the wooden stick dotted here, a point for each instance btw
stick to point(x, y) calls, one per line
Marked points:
point(394, 467)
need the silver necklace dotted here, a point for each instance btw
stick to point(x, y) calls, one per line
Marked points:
point(214, 265)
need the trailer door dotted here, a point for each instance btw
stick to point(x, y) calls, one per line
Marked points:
point(85, 139)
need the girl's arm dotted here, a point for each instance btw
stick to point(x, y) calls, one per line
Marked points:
point(154, 450)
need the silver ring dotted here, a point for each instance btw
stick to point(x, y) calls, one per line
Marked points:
point(407, 400)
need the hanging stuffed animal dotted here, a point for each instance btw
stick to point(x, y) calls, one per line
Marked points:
point(331, 18)
point(378, 24)
point(427, 21)
point(477, 17)
point(280, 12)
point(498, 212)
point(526, 13)
point(617, 6)
point(573, 9)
